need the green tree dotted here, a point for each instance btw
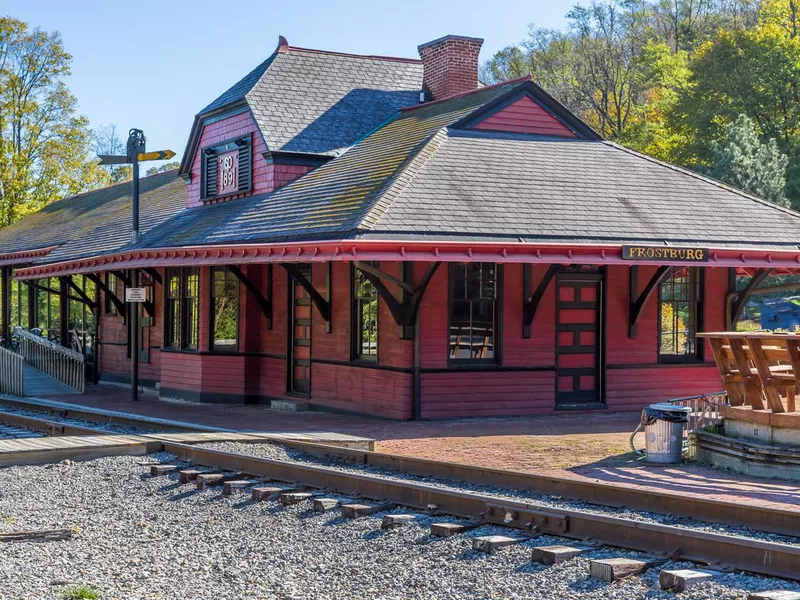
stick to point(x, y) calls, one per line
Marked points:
point(108, 141)
point(44, 142)
point(170, 166)
point(745, 161)
point(753, 73)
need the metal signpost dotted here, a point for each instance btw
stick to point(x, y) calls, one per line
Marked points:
point(135, 295)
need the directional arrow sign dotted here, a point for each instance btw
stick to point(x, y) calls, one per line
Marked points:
point(157, 155)
point(110, 159)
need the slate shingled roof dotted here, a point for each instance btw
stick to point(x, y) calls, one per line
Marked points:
point(336, 197)
point(317, 102)
point(556, 189)
point(422, 176)
point(96, 221)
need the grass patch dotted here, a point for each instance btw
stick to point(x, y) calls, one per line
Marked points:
point(80, 592)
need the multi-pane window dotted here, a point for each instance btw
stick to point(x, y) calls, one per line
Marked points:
point(225, 310)
point(473, 312)
point(48, 306)
point(172, 308)
point(365, 317)
point(19, 305)
point(111, 283)
point(81, 323)
point(181, 321)
point(677, 319)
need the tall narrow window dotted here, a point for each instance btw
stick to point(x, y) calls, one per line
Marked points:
point(190, 313)
point(172, 308)
point(473, 313)
point(19, 305)
point(111, 283)
point(47, 310)
point(225, 309)
point(677, 318)
point(365, 317)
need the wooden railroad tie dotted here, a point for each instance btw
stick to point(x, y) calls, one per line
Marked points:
point(492, 543)
point(612, 569)
point(188, 475)
point(775, 595)
point(263, 493)
point(291, 498)
point(42, 535)
point(211, 479)
point(680, 580)
point(158, 470)
point(553, 555)
point(323, 505)
point(355, 511)
point(446, 530)
point(236, 485)
point(395, 521)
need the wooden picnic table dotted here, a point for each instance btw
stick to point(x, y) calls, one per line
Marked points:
point(759, 369)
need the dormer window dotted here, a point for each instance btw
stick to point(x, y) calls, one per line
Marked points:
point(228, 168)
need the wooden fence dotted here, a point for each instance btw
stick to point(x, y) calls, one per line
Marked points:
point(11, 370)
point(63, 364)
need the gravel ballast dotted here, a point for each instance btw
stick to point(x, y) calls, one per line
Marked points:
point(278, 452)
point(101, 427)
point(140, 537)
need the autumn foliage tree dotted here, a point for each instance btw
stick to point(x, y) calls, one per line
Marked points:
point(45, 145)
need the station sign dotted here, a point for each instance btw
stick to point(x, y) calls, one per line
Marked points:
point(136, 295)
point(665, 253)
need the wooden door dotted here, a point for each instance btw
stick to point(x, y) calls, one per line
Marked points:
point(300, 346)
point(579, 358)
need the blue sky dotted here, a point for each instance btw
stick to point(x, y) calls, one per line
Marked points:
point(154, 65)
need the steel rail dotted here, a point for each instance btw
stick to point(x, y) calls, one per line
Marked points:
point(773, 520)
point(766, 558)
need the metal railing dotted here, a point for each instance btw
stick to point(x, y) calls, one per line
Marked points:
point(63, 364)
point(11, 373)
point(705, 410)
point(705, 413)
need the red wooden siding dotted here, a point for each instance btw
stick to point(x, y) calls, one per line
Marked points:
point(524, 383)
point(524, 116)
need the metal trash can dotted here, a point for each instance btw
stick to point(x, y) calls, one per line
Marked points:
point(663, 429)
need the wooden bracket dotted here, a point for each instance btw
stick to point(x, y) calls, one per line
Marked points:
point(638, 302)
point(403, 311)
point(321, 303)
point(154, 274)
point(123, 277)
point(742, 297)
point(264, 302)
point(50, 290)
point(530, 303)
point(81, 294)
point(98, 281)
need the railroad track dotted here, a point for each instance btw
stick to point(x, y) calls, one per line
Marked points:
point(729, 551)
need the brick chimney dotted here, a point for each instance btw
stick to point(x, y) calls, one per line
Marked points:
point(450, 66)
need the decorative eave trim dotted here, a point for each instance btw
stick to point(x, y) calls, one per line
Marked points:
point(295, 158)
point(403, 250)
point(13, 258)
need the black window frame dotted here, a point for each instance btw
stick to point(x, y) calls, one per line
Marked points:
point(109, 308)
point(177, 329)
point(695, 288)
point(208, 166)
point(356, 301)
point(496, 358)
point(212, 345)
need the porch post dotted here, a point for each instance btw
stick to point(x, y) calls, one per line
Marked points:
point(5, 303)
point(63, 312)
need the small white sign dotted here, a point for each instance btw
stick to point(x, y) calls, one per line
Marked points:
point(136, 294)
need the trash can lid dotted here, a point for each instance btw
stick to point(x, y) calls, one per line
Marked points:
point(667, 407)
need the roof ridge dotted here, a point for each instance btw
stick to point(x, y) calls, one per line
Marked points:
point(351, 55)
point(468, 92)
point(403, 176)
point(706, 178)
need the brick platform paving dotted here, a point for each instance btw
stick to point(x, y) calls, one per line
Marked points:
point(581, 446)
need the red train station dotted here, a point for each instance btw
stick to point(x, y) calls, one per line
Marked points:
point(391, 237)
